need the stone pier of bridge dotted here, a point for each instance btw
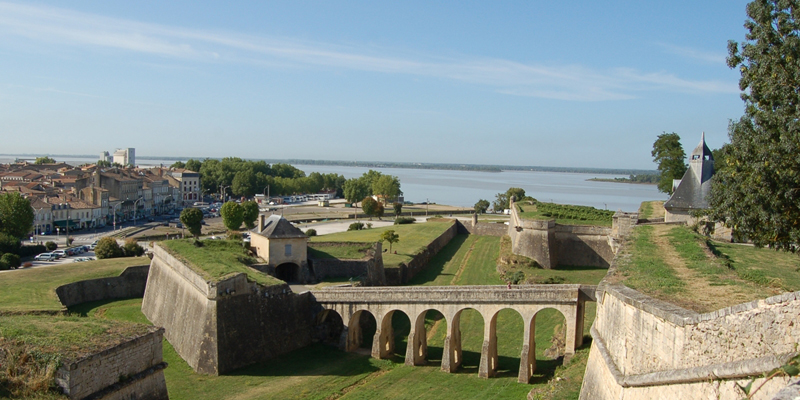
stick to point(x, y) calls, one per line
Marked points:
point(451, 301)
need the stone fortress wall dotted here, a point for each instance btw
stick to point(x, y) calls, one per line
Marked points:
point(405, 272)
point(129, 284)
point(220, 326)
point(368, 269)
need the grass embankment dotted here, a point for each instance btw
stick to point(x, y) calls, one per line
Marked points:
point(413, 239)
point(651, 209)
point(33, 347)
point(322, 372)
point(34, 289)
point(675, 264)
point(564, 214)
point(344, 251)
point(217, 260)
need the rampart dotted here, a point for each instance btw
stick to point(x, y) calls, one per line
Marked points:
point(406, 271)
point(129, 284)
point(644, 348)
point(220, 326)
point(133, 369)
point(476, 227)
point(368, 269)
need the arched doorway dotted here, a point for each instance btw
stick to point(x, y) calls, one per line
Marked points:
point(288, 272)
point(329, 327)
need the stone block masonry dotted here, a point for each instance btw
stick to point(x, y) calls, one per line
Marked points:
point(129, 284)
point(133, 369)
point(407, 271)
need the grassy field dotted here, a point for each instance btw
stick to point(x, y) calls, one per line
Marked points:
point(343, 251)
point(413, 238)
point(35, 288)
point(217, 259)
point(651, 209)
point(675, 264)
point(565, 214)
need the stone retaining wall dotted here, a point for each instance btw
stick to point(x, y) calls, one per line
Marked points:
point(368, 269)
point(134, 366)
point(405, 272)
point(643, 346)
point(129, 284)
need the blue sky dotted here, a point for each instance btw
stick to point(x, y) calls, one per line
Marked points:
point(587, 84)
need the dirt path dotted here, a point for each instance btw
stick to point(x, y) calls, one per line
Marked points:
point(700, 294)
point(463, 265)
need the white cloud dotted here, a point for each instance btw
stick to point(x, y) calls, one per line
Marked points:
point(562, 82)
point(688, 52)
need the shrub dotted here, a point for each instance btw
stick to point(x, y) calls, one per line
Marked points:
point(27, 251)
point(107, 247)
point(8, 243)
point(4, 265)
point(70, 240)
point(132, 249)
point(311, 232)
point(50, 246)
point(356, 226)
point(233, 235)
point(369, 225)
point(10, 260)
point(404, 220)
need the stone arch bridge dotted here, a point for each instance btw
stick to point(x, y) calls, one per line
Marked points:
point(450, 301)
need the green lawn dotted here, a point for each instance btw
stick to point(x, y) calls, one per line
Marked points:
point(413, 238)
point(35, 288)
point(565, 214)
point(343, 251)
point(643, 268)
point(218, 259)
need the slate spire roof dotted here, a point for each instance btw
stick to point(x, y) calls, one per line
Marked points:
point(693, 189)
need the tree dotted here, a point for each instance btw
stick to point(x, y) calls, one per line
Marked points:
point(178, 164)
point(107, 247)
point(757, 190)
point(370, 206)
point(131, 248)
point(379, 210)
point(16, 214)
point(191, 218)
point(232, 215)
point(481, 206)
point(517, 193)
point(391, 237)
point(249, 214)
point(500, 202)
point(398, 208)
point(311, 232)
point(103, 163)
point(44, 160)
point(503, 200)
point(671, 159)
point(193, 165)
point(386, 186)
point(354, 190)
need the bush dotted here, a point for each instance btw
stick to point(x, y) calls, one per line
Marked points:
point(233, 235)
point(311, 232)
point(10, 261)
point(131, 248)
point(107, 247)
point(70, 240)
point(8, 243)
point(4, 265)
point(404, 220)
point(27, 251)
point(50, 246)
point(356, 226)
point(369, 225)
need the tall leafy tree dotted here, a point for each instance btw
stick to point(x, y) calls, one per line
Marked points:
point(249, 214)
point(354, 190)
point(232, 215)
point(386, 186)
point(191, 218)
point(671, 159)
point(193, 165)
point(398, 208)
point(44, 160)
point(481, 206)
point(16, 214)
point(370, 206)
point(757, 190)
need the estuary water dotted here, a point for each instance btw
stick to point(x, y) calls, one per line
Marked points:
point(465, 188)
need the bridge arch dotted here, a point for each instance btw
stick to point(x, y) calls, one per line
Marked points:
point(355, 328)
point(330, 326)
point(417, 350)
point(383, 346)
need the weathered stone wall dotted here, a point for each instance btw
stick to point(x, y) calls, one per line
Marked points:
point(134, 366)
point(406, 272)
point(368, 269)
point(583, 245)
point(130, 283)
point(220, 326)
point(643, 346)
point(483, 228)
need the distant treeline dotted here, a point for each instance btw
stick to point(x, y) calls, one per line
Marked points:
point(641, 178)
point(385, 164)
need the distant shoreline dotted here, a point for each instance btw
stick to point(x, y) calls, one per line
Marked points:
point(382, 164)
point(623, 180)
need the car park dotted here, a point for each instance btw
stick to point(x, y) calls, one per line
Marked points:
point(60, 253)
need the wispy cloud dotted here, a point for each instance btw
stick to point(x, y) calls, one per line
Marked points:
point(708, 57)
point(563, 82)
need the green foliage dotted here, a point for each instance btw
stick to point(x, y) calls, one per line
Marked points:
point(387, 187)
point(191, 218)
point(50, 245)
point(131, 248)
point(565, 212)
point(217, 259)
point(44, 160)
point(757, 189)
point(370, 206)
point(8, 243)
point(311, 232)
point(16, 214)
point(404, 220)
point(103, 163)
point(193, 165)
point(232, 215)
point(669, 155)
point(391, 237)
point(107, 247)
point(356, 226)
point(249, 214)
point(178, 164)
point(355, 190)
point(481, 206)
point(11, 260)
point(398, 208)
point(503, 200)
point(515, 277)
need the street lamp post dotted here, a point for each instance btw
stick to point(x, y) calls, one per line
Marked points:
point(113, 209)
point(134, 209)
point(222, 191)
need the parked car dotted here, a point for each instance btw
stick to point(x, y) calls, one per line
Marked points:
point(46, 257)
point(60, 253)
